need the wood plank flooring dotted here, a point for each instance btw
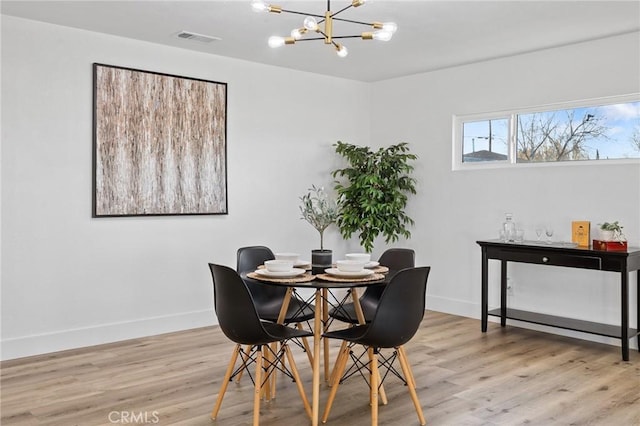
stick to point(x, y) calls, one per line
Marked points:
point(508, 376)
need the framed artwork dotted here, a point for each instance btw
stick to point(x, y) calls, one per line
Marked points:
point(159, 144)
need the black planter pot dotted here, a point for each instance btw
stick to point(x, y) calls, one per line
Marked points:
point(320, 260)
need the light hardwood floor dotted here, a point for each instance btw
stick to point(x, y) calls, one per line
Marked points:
point(508, 376)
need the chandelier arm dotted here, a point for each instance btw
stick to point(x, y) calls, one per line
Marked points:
point(322, 38)
point(301, 13)
point(349, 36)
point(342, 10)
point(308, 39)
point(370, 24)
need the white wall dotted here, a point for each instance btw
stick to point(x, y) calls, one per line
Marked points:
point(69, 280)
point(456, 208)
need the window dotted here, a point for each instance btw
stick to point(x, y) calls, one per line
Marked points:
point(486, 140)
point(588, 132)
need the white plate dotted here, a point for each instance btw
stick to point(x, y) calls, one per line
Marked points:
point(372, 264)
point(281, 274)
point(300, 263)
point(359, 274)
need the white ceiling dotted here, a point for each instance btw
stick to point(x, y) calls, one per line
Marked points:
point(431, 35)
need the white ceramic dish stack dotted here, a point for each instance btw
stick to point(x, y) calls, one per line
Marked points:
point(278, 265)
point(350, 265)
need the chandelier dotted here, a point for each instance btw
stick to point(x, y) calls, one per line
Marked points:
point(323, 25)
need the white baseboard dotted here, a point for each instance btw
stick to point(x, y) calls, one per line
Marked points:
point(472, 310)
point(462, 308)
point(81, 337)
point(76, 338)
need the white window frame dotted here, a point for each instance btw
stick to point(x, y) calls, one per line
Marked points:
point(511, 115)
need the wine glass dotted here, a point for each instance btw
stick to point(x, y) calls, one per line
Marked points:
point(549, 233)
point(539, 231)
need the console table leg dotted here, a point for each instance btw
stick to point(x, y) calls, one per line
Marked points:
point(638, 308)
point(503, 293)
point(624, 289)
point(485, 290)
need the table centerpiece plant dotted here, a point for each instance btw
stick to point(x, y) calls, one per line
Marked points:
point(373, 198)
point(320, 211)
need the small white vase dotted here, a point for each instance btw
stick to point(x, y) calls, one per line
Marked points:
point(606, 235)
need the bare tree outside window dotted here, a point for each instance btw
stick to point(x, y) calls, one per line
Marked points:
point(558, 136)
point(635, 139)
point(585, 133)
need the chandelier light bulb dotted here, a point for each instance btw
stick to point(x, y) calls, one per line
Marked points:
point(275, 41)
point(391, 27)
point(259, 6)
point(382, 35)
point(342, 51)
point(310, 23)
point(298, 32)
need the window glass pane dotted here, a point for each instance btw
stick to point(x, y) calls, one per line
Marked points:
point(590, 133)
point(485, 140)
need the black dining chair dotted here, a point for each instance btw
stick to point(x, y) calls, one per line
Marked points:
point(395, 259)
point(397, 318)
point(239, 321)
point(268, 298)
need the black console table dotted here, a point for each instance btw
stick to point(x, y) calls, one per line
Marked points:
point(623, 262)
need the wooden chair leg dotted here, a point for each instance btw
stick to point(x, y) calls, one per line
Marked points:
point(225, 381)
point(247, 351)
point(284, 367)
point(296, 377)
point(375, 381)
point(408, 374)
point(341, 364)
point(266, 389)
point(403, 352)
point(271, 382)
point(341, 352)
point(257, 388)
point(382, 394)
point(305, 343)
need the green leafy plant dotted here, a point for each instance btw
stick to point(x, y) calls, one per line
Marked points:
point(319, 210)
point(373, 197)
point(614, 227)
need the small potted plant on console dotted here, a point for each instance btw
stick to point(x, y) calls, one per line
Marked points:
point(611, 237)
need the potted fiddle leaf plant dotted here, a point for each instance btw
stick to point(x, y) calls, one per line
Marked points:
point(320, 211)
point(374, 192)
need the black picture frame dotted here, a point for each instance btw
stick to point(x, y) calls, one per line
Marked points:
point(159, 144)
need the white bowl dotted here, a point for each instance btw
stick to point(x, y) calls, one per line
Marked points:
point(278, 265)
point(288, 256)
point(350, 265)
point(362, 257)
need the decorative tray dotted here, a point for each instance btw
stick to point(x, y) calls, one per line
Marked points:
point(380, 269)
point(333, 278)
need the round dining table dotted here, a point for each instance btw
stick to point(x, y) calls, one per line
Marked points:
point(322, 284)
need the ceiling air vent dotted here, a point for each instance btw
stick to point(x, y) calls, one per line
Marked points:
point(188, 35)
